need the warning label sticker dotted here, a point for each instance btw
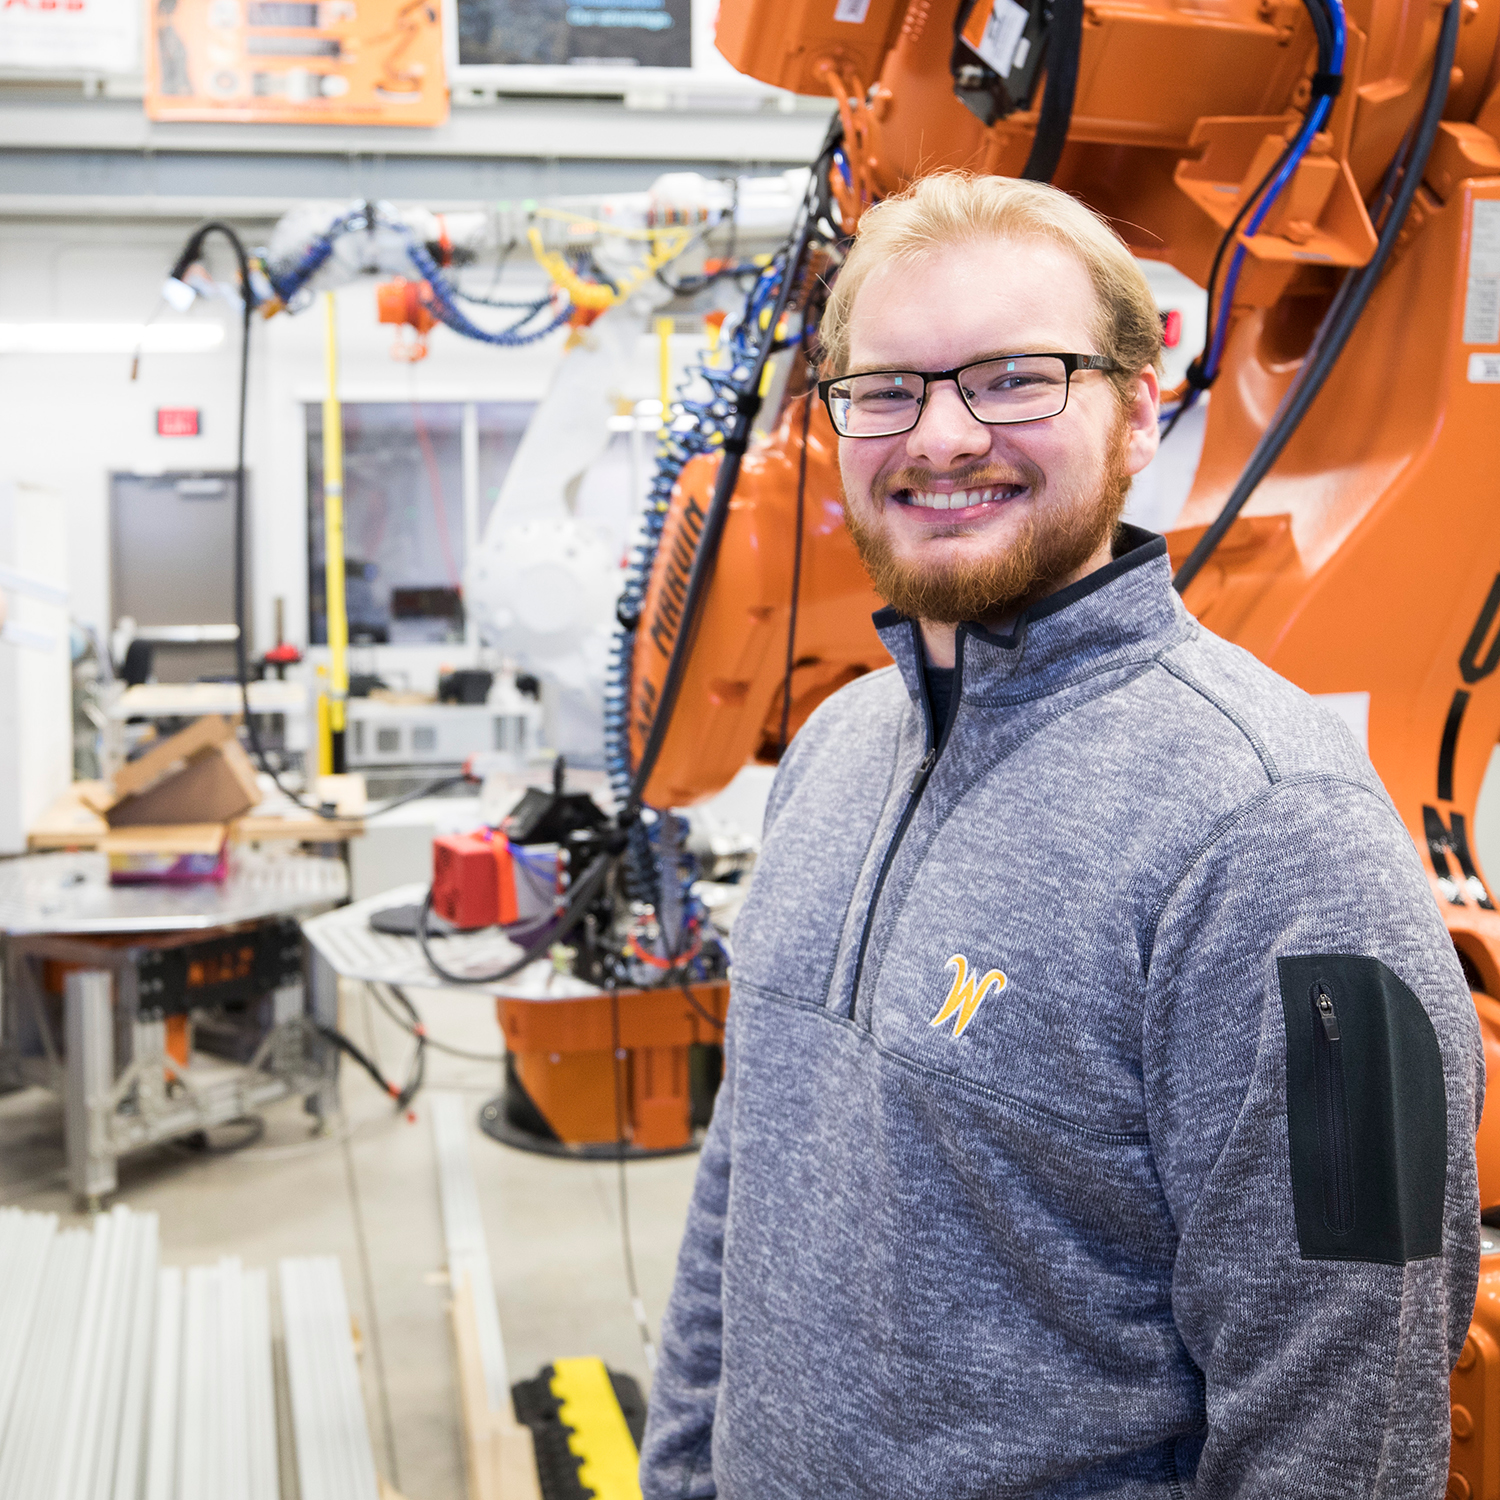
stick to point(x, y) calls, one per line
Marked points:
point(852, 11)
point(1484, 369)
point(1482, 299)
point(995, 33)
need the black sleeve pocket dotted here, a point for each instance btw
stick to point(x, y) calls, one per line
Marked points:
point(1366, 1111)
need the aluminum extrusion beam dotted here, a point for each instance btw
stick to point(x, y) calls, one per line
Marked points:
point(334, 1458)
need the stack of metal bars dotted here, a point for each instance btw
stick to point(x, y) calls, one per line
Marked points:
point(75, 1328)
point(123, 1381)
point(213, 1403)
point(334, 1458)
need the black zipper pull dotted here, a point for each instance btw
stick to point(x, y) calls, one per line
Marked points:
point(924, 770)
point(1327, 1015)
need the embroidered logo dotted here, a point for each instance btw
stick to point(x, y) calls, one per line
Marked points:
point(965, 995)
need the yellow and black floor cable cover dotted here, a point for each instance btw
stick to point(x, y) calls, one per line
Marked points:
point(586, 1423)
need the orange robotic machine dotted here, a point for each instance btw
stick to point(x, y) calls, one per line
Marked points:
point(1334, 180)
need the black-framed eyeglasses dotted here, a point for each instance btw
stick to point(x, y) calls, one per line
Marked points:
point(1002, 389)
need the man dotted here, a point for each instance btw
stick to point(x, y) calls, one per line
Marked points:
point(1100, 1083)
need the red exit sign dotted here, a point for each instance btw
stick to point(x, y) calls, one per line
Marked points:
point(177, 421)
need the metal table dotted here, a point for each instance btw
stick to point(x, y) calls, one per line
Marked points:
point(345, 941)
point(105, 1048)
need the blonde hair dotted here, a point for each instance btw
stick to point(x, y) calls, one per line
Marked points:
point(955, 208)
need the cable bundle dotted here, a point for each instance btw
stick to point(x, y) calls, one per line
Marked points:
point(691, 428)
point(441, 298)
point(1353, 296)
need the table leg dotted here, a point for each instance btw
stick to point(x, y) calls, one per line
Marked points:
point(323, 1009)
point(89, 1066)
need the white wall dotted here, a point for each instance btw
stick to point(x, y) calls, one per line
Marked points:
point(36, 728)
point(67, 421)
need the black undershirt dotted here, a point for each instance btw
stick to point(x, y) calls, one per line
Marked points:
point(940, 694)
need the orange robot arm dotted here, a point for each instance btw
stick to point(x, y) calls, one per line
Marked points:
point(1360, 556)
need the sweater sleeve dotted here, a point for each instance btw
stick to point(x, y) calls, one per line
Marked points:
point(676, 1454)
point(1313, 1077)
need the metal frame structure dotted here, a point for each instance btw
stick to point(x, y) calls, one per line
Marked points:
point(109, 1061)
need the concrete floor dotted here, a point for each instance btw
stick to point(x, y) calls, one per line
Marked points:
point(368, 1193)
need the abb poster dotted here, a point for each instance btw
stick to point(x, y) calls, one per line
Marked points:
point(343, 62)
point(71, 36)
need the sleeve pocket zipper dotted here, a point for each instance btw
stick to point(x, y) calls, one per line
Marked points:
point(1333, 1113)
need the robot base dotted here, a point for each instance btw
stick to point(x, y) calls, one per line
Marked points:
point(585, 1073)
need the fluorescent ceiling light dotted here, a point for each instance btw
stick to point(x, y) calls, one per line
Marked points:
point(110, 338)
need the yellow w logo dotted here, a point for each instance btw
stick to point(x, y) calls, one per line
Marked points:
point(963, 999)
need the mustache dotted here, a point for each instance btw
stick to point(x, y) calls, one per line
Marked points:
point(976, 477)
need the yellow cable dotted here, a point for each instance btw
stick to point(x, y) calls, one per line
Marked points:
point(664, 327)
point(596, 296)
point(598, 226)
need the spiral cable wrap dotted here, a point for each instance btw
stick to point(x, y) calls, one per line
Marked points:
point(691, 427)
point(442, 296)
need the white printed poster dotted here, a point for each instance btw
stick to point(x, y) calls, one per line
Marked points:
point(71, 36)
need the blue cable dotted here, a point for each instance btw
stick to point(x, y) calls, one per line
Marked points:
point(1332, 66)
point(1311, 126)
point(444, 307)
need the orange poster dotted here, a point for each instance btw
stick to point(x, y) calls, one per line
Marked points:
point(335, 62)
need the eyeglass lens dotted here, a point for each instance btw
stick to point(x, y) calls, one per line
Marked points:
point(1022, 388)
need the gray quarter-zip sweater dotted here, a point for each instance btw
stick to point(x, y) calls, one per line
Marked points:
point(1099, 1098)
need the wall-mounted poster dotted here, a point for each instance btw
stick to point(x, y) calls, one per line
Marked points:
point(335, 62)
point(600, 33)
point(71, 36)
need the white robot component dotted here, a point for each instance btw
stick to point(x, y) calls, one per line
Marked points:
point(546, 589)
point(543, 585)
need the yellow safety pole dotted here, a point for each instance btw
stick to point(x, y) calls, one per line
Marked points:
point(336, 611)
point(325, 736)
point(664, 327)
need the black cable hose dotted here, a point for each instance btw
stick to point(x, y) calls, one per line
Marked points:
point(581, 896)
point(1345, 312)
point(1056, 113)
point(687, 994)
point(733, 451)
point(417, 1027)
point(402, 1096)
point(1196, 368)
point(617, 1061)
point(791, 624)
point(190, 253)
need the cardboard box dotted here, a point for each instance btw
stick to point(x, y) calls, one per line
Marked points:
point(200, 775)
point(168, 811)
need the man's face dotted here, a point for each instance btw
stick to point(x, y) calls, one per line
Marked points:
point(1041, 498)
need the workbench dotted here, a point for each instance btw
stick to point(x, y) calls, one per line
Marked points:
point(99, 981)
point(72, 823)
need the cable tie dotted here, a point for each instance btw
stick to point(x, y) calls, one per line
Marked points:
point(1327, 85)
point(1196, 376)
